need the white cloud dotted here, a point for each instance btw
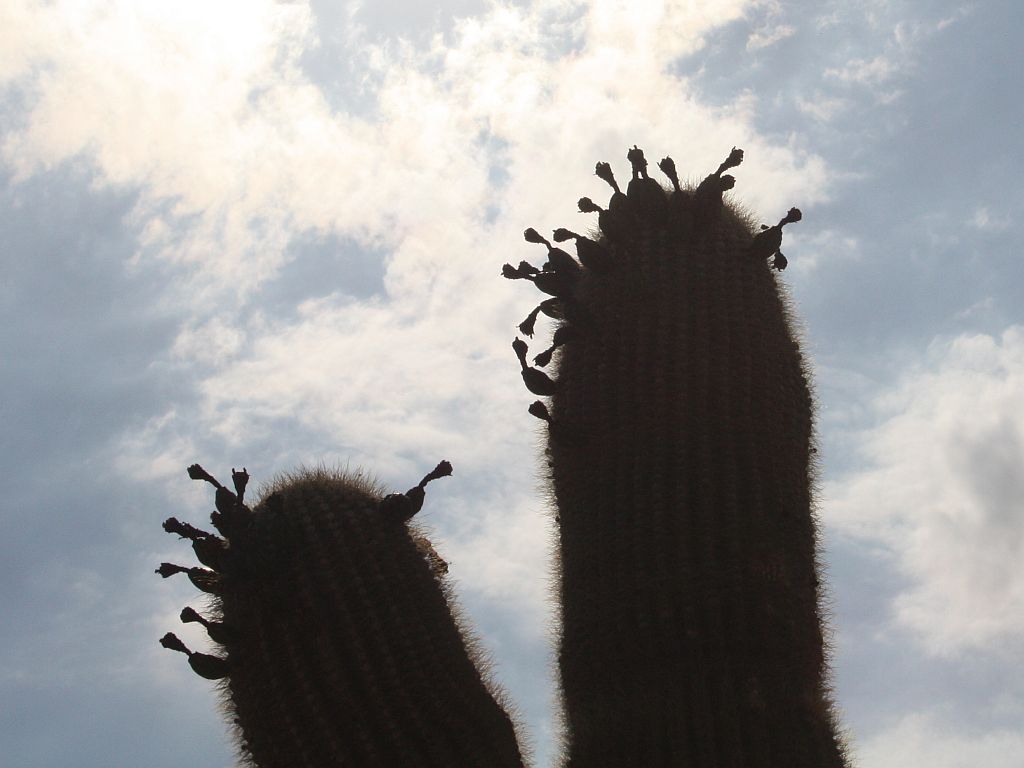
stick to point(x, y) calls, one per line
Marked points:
point(864, 71)
point(22, 38)
point(208, 112)
point(889, 97)
point(828, 246)
point(925, 740)
point(663, 29)
point(822, 107)
point(235, 152)
point(210, 342)
point(913, 32)
point(980, 307)
point(501, 546)
point(944, 493)
point(768, 36)
point(899, 52)
point(177, 99)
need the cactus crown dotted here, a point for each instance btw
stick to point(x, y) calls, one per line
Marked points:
point(685, 221)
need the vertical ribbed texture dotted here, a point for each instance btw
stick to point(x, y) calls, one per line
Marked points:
point(343, 650)
point(680, 447)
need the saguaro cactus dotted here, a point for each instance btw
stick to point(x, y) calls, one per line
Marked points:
point(680, 447)
point(680, 453)
point(339, 644)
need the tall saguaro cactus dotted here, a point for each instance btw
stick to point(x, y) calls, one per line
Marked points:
point(680, 453)
point(680, 447)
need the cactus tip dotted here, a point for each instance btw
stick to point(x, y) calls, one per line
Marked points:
point(443, 469)
point(604, 171)
point(527, 326)
point(171, 642)
point(196, 472)
point(638, 161)
point(531, 235)
point(167, 570)
point(668, 167)
point(538, 409)
point(190, 615)
point(240, 481)
point(735, 158)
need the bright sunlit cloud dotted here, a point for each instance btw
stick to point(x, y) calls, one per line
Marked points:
point(235, 151)
point(943, 491)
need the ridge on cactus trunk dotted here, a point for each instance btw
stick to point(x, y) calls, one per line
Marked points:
point(680, 445)
point(339, 644)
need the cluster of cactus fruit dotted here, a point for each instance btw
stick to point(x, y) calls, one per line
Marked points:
point(679, 452)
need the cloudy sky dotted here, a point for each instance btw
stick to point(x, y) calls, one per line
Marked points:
point(268, 234)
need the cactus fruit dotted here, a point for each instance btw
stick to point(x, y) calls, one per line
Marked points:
point(339, 643)
point(680, 450)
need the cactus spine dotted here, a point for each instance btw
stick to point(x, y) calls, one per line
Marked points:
point(339, 645)
point(680, 442)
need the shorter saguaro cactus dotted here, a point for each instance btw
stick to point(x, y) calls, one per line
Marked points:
point(339, 646)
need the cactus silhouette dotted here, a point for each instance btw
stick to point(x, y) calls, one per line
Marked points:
point(339, 645)
point(680, 447)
